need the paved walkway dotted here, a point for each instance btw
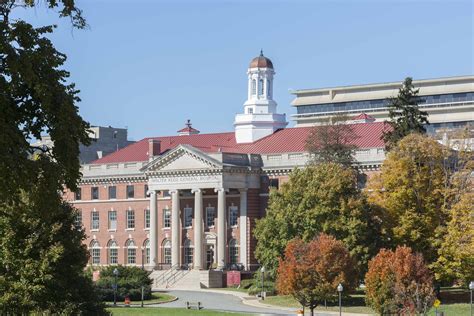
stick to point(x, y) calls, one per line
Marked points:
point(234, 302)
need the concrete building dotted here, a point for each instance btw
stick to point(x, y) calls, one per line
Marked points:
point(448, 101)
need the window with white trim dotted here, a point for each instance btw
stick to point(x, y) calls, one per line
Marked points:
point(166, 218)
point(146, 244)
point(113, 252)
point(167, 251)
point(210, 216)
point(254, 87)
point(95, 193)
point(188, 252)
point(233, 215)
point(130, 214)
point(112, 192)
point(112, 220)
point(95, 252)
point(233, 251)
point(78, 219)
point(147, 218)
point(131, 251)
point(78, 194)
point(188, 217)
point(95, 220)
point(260, 87)
point(130, 191)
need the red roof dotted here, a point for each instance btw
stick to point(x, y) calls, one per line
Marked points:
point(284, 140)
point(188, 129)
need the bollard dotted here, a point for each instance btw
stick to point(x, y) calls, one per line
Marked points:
point(300, 312)
point(127, 301)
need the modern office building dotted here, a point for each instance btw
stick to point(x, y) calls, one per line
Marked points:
point(448, 101)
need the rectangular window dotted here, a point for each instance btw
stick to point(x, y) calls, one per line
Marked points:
point(274, 183)
point(166, 193)
point(166, 218)
point(112, 219)
point(130, 191)
point(95, 220)
point(78, 194)
point(233, 254)
point(112, 192)
point(210, 216)
point(95, 193)
point(146, 191)
point(167, 255)
point(131, 255)
point(113, 255)
point(233, 215)
point(130, 219)
point(147, 218)
point(188, 217)
point(188, 255)
point(78, 219)
point(147, 255)
point(95, 253)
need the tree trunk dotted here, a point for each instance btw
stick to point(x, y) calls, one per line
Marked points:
point(312, 311)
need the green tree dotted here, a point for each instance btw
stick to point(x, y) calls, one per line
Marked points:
point(41, 253)
point(333, 141)
point(318, 199)
point(311, 272)
point(411, 190)
point(405, 115)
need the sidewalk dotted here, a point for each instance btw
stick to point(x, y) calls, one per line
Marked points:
point(253, 301)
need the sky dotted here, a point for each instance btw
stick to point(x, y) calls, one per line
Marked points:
point(151, 65)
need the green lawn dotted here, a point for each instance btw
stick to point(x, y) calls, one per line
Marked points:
point(157, 298)
point(119, 311)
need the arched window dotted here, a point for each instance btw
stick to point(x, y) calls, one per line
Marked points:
point(95, 251)
point(260, 87)
point(188, 252)
point(146, 245)
point(167, 251)
point(113, 252)
point(233, 252)
point(269, 88)
point(254, 87)
point(131, 251)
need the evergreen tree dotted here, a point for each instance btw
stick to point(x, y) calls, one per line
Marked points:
point(42, 258)
point(405, 115)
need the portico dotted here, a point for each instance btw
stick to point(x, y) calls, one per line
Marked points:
point(188, 173)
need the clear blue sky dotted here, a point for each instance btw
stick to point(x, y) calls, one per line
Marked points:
point(150, 65)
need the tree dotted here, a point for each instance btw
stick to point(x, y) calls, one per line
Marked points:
point(405, 115)
point(455, 261)
point(399, 282)
point(311, 272)
point(332, 141)
point(318, 199)
point(41, 255)
point(411, 190)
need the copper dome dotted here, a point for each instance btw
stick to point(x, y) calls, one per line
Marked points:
point(261, 62)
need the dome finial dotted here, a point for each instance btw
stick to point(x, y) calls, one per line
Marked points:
point(261, 52)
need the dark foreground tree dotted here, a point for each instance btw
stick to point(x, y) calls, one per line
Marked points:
point(405, 115)
point(321, 198)
point(41, 253)
point(333, 141)
point(311, 272)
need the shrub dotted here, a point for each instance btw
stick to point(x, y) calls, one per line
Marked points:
point(129, 283)
point(399, 282)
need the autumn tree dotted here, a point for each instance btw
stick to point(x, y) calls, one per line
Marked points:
point(399, 282)
point(405, 115)
point(333, 141)
point(311, 272)
point(42, 257)
point(411, 191)
point(318, 199)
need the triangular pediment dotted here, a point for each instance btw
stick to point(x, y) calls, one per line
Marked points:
point(183, 157)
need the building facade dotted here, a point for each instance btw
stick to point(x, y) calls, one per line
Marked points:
point(189, 202)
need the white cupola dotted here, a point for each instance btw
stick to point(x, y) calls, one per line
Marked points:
point(260, 118)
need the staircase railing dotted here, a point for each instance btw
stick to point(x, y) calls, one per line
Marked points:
point(162, 277)
point(172, 278)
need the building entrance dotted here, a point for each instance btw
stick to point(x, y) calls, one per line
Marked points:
point(209, 256)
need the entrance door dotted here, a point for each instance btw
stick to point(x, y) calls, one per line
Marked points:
point(209, 256)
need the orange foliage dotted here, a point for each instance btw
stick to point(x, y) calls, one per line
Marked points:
point(310, 272)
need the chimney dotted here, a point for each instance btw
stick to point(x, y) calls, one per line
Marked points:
point(154, 148)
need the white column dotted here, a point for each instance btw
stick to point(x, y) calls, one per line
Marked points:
point(221, 228)
point(153, 230)
point(175, 244)
point(243, 227)
point(198, 229)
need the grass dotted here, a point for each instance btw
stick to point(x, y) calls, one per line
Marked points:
point(121, 311)
point(157, 298)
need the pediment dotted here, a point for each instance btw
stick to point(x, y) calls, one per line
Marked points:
point(183, 157)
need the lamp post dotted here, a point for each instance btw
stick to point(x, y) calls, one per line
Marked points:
point(143, 268)
point(339, 290)
point(263, 282)
point(471, 288)
point(116, 273)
